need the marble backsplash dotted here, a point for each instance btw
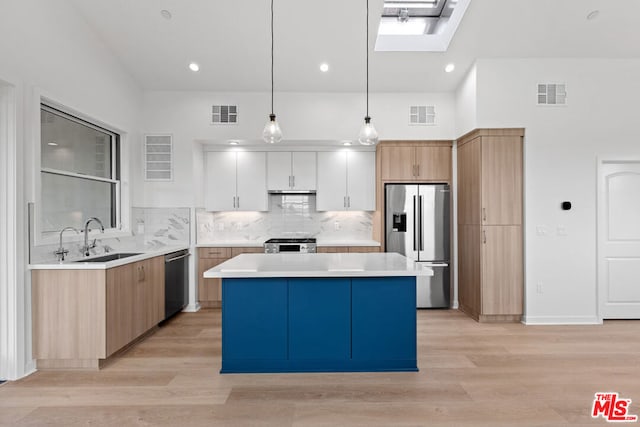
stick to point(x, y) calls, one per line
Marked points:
point(153, 228)
point(288, 216)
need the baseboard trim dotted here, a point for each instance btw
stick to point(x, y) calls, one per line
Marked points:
point(561, 320)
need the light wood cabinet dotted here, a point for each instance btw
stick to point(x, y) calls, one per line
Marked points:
point(490, 254)
point(416, 161)
point(81, 317)
point(288, 170)
point(347, 249)
point(135, 300)
point(490, 180)
point(363, 249)
point(210, 290)
point(346, 181)
point(236, 181)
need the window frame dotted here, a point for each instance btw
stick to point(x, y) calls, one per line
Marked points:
point(117, 203)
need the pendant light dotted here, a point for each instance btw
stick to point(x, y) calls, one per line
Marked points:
point(272, 133)
point(368, 134)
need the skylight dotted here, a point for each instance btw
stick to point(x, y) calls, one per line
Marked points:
point(414, 25)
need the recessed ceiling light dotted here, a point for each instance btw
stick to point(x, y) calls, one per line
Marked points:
point(165, 14)
point(234, 142)
point(53, 144)
point(324, 67)
point(449, 68)
point(194, 67)
point(593, 15)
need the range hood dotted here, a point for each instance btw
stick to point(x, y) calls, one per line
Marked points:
point(292, 191)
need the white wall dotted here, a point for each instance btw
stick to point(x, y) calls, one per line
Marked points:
point(466, 103)
point(46, 48)
point(302, 116)
point(561, 148)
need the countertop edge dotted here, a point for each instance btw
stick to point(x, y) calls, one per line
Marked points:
point(320, 243)
point(76, 265)
point(317, 265)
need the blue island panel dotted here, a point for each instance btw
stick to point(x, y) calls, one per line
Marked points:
point(337, 324)
point(319, 319)
point(254, 319)
point(384, 318)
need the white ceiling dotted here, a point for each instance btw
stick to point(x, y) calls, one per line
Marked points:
point(230, 40)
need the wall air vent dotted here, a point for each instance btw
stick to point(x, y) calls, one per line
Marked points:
point(158, 158)
point(224, 114)
point(422, 115)
point(552, 94)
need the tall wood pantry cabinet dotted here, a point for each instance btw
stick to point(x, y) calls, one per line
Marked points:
point(490, 254)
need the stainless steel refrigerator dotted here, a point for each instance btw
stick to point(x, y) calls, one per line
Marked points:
point(417, 226)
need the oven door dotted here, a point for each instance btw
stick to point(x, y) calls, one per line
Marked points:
point(288, 247)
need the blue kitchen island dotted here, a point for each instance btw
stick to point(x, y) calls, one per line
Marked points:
point(318, 312)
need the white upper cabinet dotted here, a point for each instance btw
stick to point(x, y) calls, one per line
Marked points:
point(346, 181)
point(361, 180)
point(332, 181)
point(291, 170)
point(235, 181)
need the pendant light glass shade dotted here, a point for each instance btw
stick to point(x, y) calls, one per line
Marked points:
point(368, 134)
point(272, 133)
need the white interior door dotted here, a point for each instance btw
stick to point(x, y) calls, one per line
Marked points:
point(619, 240)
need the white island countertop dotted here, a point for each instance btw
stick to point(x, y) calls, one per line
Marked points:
point(318, 265)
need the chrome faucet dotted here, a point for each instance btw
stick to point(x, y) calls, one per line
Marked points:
point(61, 252)
point(87, 247)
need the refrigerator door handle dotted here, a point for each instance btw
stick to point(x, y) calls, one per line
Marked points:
point(420, 219)
point(415, 222)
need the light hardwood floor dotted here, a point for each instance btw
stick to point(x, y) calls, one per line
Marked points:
point(471, 374)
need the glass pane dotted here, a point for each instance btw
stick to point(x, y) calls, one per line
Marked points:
point(70, 201)
point(74, 147)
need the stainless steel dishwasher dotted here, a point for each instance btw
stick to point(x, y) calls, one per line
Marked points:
point(176, 282)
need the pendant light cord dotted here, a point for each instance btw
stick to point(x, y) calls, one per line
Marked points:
point(272, 57)
point(367, 58)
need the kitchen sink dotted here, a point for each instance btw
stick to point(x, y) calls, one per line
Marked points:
point(106, 258)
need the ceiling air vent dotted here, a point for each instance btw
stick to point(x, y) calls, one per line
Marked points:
point(552, 94)
point(224, 114)
point(158, 157)
point(422, 115)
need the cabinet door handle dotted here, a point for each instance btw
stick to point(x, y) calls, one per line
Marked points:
point(348, 201)
point(484, 214)
point(484, 237)
point(238, 202)
point(293, 178)
point(417, 170)
point(290, 186)
point(344, 201)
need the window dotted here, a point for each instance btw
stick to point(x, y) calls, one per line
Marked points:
point(80, 172)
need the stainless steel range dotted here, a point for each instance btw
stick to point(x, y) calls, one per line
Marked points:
point(302, 245)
